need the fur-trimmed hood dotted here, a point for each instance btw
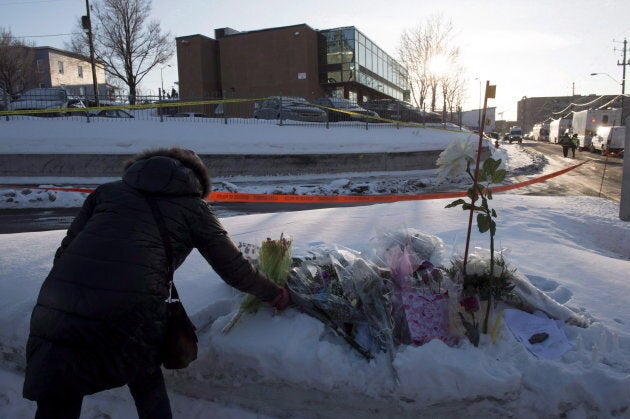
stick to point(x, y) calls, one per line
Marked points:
point(175, 171)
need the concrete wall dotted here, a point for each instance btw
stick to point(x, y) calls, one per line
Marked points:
point(96, 165)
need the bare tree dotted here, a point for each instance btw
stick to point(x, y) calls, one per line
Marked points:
point(125, 41)
point(411, 52)
point(454, 90)
point(17, 59)
point(419, 50)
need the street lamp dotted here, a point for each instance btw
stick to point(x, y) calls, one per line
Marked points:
point(623, 87)
point(162, 78)
point(623, 91)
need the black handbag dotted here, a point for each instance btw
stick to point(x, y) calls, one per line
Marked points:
point(179, 348)
point(180, 340)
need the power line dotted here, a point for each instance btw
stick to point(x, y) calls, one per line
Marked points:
point(43, 36)
point(30, 2)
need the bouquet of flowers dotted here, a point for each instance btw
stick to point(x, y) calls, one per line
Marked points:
point(485, 281)
point(420, 291)
point(274, 258)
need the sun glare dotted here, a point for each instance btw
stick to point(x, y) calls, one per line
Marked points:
point(439, 65)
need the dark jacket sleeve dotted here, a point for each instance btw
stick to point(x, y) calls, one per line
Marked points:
point(77, 224)
point(214, 244)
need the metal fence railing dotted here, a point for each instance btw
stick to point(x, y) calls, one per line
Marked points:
point(214, 110)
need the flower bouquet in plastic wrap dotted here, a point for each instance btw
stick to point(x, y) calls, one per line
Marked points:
point(274, 259)
point(421, 292)
point(484, 283)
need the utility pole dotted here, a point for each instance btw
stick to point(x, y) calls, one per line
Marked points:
point(624, 205)
point(623, 63)
point(87, 25)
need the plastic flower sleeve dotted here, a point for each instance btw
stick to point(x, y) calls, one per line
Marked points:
point(361, 280)
point(311, 283)
point(424, 246)
point(317, 293)
point(274, 258)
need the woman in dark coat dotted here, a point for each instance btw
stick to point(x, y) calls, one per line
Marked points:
point(99, 318)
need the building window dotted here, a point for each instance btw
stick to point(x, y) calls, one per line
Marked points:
point(42, 85)
point(80, 71)
point(39, 66)
point(346, 55)
point(60, 66)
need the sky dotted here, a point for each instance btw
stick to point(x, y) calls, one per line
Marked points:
point(571, 255)
point(534, 48)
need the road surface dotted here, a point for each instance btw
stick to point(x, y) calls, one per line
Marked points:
point(600, 176)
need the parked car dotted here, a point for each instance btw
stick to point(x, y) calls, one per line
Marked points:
point(189, 115)
point(113, 113)
point(289, 107)
point(53, 99)
point(400, 111)
point(345, 105)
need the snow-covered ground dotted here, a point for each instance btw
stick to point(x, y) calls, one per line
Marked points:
point(59, 136)
point(574, 249)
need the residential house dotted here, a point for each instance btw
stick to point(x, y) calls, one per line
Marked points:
point(58, 68)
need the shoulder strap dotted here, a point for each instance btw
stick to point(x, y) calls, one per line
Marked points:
point(168, 248)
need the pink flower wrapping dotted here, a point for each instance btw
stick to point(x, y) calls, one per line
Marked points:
point(427, 316)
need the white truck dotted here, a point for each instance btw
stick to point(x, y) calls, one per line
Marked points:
point(585, 124)
point(609, 139)
point(541, 132)
point(557, 127)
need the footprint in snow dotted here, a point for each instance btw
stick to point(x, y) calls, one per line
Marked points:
point(543, 284)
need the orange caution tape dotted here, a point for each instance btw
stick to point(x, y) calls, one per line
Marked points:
point(313, 199)
point(504, 188)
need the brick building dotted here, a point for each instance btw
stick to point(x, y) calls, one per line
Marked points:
point(293, 60)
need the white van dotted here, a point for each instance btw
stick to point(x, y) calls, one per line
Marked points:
point(610, 139)
point(53, 99)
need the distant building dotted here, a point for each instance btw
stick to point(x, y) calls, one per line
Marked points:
point(291, 61)
point(57, 68)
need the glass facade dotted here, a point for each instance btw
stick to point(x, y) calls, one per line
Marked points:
point(348, 56)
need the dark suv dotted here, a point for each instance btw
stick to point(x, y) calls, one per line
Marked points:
point(516, 134)
point(400, 111)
